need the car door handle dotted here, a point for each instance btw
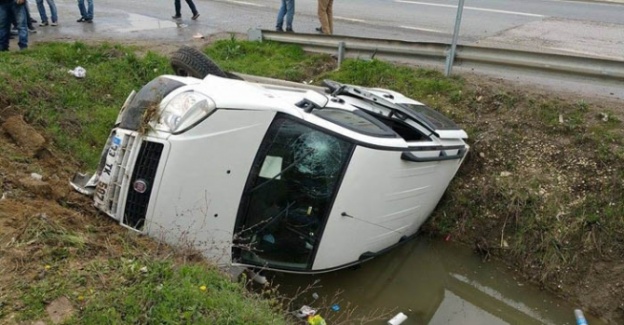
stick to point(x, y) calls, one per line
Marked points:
point(409, 156)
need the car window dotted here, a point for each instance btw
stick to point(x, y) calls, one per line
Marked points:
point(358, 121)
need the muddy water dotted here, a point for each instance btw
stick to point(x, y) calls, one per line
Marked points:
point(432, 282)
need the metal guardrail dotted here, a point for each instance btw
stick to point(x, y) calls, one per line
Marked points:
point(418, 52)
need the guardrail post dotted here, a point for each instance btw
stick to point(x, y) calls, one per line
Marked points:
point(254, 34)
point(341, 52)
point(451, 56)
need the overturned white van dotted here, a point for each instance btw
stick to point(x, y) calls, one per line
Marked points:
point(282, 177)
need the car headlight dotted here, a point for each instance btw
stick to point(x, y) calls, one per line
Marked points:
point(184, 111)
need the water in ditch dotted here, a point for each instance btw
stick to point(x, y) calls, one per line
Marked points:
point(431, 282)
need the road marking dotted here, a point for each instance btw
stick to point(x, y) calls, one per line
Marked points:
point(471, 8)
point(425, 29)
point(350, 19)
point(246, 3)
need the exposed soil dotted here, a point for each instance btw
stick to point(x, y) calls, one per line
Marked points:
point(596, 282)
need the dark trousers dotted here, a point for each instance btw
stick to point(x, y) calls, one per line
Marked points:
point(190, 4)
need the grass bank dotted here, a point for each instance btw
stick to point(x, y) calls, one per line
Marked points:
point(540, 189)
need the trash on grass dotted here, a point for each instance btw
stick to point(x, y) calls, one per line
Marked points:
point(305, 311)
point(78, 72)
point(397, 319)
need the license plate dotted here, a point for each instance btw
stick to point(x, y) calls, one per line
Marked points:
point(102, 189)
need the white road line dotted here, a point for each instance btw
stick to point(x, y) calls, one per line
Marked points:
point(425, 29)
point(245, 3)
point(471, 8)
point(350, 19)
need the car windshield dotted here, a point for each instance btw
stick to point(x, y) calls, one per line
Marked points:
point(289, 193)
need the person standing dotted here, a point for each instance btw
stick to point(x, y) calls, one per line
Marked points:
point(86, 13)
point(287, 9)
point(42, 13)
point(326, 16)
point(10, 9)
point(178, 8)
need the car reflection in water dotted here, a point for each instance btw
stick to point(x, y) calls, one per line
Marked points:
point(434, 282)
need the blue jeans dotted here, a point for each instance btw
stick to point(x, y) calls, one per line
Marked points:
point(42, 11)
point(86, 13)
point(190, 4)
point(287, 9)
point(19, 13)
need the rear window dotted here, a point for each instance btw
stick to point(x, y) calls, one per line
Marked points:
point(433, 119)
point(358, 121)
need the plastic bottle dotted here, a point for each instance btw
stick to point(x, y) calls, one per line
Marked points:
point(397, 319)
point(580, 318)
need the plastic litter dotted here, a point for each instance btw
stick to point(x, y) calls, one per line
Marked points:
point(36, 176)
point(305, 311)
point(316, 320)
point(198, 36)
point(397, 319)
point(78, 72)
point(580, 318)
point(315, 296)
point(335, 307)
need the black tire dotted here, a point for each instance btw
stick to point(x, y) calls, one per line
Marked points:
point(188, 61)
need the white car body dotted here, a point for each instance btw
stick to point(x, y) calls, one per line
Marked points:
point(278, 177)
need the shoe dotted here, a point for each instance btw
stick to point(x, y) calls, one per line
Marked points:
point(279, 29)
point(89, 21)
point(176, 16)
point(54, 23)
point(195, 16)
point(33, 21)
point(319, 29)
point(32, 31)
point(81, 20)
point(43, 23)
point(289, 30)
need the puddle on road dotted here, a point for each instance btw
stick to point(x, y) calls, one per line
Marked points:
point(436, 282)
point(142, 23)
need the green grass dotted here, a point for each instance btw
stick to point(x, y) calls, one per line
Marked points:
point(78, 113)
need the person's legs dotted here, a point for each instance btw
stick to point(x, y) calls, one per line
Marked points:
point(280, 16)
point(178, 9)
point(83, 11)
point(53, 12)
point(322, 14)
point(290, 14)
point(330, 16)
point(42, 13)
point(19, 11)
point(29, 20)
point(192, 6)
point(89, 10)
point(5, 25)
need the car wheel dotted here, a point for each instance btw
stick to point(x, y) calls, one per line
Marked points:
point(188, 61)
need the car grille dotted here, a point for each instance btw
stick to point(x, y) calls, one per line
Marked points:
point(144, 172)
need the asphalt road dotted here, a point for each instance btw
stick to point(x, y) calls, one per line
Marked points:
point(592, 28)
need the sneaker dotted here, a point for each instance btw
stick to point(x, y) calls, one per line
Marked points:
point(32, 31)
point(54, 23)
point(81, 20)
point(195, 16)
point(319, 29)
point(289, 30)
point(89, 21)
point(43, 23)
point(279, 29)
point(176, 16)
point(33, 21)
